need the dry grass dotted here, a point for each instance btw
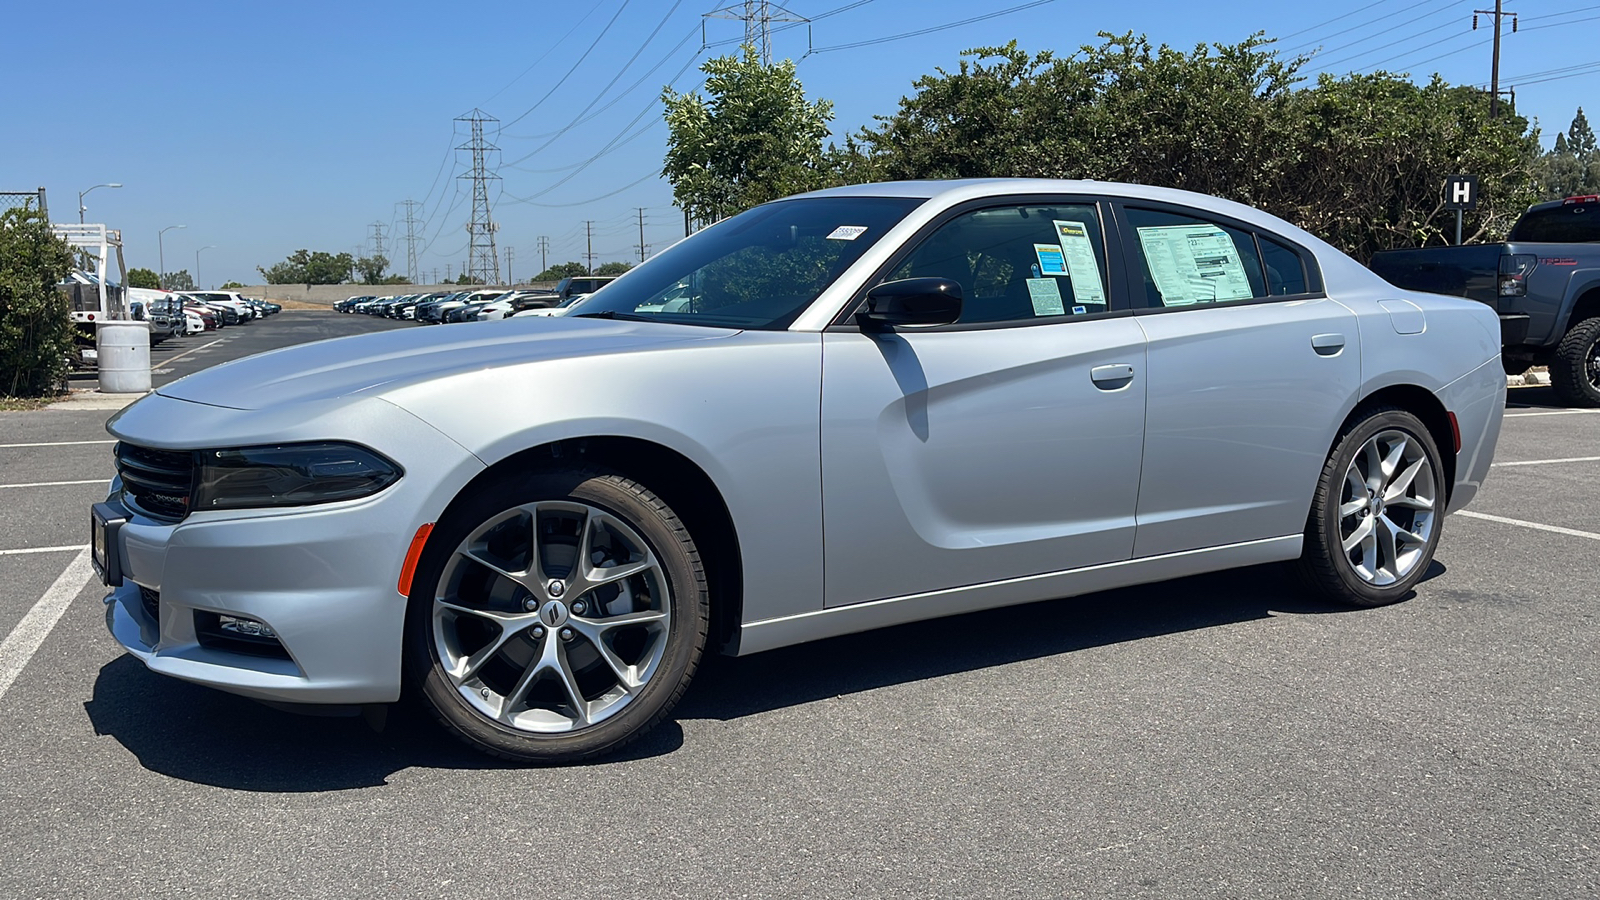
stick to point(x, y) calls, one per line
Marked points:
point(302, 304)
point(16, 404)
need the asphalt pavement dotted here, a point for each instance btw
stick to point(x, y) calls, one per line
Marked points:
point(1218, 737)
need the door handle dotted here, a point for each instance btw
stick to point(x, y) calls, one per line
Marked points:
point(1109, 378)
point(1327, 344)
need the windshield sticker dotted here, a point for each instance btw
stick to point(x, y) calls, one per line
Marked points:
point(847, 232)
point(1046, 297)
point(1051, 260)
point(1194, 264)
point(1083, 268)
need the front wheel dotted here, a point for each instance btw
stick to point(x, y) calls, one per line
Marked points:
point(1375, 517)
point(1575, 370)
point(556, 616)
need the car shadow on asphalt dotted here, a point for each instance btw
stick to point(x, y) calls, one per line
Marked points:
point(209, 737)
point(1533, 397)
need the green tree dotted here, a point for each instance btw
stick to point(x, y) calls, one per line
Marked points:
point(143, 278)
point(613, 268)
point(180, 280)
point(754, 137)
point(562, 270)
point(36, 330)
point(464, 278)
point(371, 268)
point(306, 267)
point(1580, 137)
point(1360, 161)
point(1572, 167)
point(231, 286)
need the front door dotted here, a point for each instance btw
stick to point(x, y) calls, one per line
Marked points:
point(1006, 445)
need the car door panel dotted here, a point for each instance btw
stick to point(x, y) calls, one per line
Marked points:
point(961, 457)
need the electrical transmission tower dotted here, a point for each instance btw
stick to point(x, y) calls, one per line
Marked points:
point(411, 237)
point(483, 262)
point(1494, 67)
point(377, 238)
point(757, 16)
point(544, 251)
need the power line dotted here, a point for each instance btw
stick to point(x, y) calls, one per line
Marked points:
point(541, 57)
point(1442, 7)
point(757, 16)
point(1499, 14)
point(563, 80)
point(930, 30)
point(1330, 21)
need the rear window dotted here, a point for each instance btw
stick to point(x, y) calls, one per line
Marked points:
point(1576, 223)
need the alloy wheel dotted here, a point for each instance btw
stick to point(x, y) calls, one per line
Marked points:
point(551, 617)
point(1387, 508)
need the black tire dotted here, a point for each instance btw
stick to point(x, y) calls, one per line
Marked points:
point(1323, 566)
point(1575, 370)
point(648, 516)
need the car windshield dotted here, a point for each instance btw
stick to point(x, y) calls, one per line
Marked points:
point(759, 269)
point(1571, 223)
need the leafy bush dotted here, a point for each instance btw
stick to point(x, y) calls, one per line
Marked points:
point(35, 319)
point(143, 278)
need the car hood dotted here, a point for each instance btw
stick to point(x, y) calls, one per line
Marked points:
point(342, 367)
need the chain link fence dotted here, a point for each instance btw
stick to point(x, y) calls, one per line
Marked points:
point(33, 199)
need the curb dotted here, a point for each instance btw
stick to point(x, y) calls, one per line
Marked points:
point(94, 400)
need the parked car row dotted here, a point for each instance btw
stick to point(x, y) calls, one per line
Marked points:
point(477, 304)
point(191, 312)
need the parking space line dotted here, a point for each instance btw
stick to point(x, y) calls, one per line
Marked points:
point(55, 444)
point(1537, 526)
point(170, 360)
point(1553, 412)
point(24, 640)
point(21, 550)
point(105, 480)
point(1525, 462)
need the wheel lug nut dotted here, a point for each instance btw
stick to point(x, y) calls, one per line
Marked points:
point(530, 604)
point(566, 634)
point(579, 607)
point(538, 632)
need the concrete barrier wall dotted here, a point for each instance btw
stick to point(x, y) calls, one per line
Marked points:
point(329, 294)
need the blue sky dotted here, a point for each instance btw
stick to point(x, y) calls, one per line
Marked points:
point(267, 127)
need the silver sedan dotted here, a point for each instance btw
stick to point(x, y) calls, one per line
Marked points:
point(831, 413)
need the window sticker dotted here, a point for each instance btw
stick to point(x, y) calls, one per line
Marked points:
point(1078, 252)
point(1046, 296)
point(847, 232)
point(1194, 264)
point(1051, 260)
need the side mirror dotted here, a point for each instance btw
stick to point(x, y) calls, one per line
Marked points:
point(913, 302)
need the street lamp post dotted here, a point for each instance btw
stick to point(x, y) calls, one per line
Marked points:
point(83, 209)
point(162, 249)
point(197, 263)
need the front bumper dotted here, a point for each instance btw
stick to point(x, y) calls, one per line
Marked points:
point(323, 578)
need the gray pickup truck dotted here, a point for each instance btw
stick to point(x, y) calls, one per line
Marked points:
point(1544, 281)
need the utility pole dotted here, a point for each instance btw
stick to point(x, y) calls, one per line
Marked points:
point(588, 255)
point(483, 262)
point(1494, 66)
point(509, 280)
point(757, 16)
point(411, 237)
point(642, 245)
point(377, 238)
point(544, 251)
point(447, 273)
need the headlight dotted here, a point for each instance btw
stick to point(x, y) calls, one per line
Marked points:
point(290, 475)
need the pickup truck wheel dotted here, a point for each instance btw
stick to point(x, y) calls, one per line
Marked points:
point(1575, 371)
point(1375, 517)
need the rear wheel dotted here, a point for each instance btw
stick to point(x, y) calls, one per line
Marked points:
point(557, 616)
point(1575, 371)
point(1375, 517)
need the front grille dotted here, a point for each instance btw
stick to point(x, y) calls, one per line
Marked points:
point(159, 483)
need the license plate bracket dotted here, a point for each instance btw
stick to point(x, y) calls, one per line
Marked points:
point(105, 525)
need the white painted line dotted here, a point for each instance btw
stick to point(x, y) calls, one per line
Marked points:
point(42, 550)
point(169, 361)
point(106, 480)
point(1534, 525)
point(24, 640)
point(55, 444)
point(1525, 462)
point(1553, 412)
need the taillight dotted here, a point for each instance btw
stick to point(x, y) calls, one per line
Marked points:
point(1514, 272)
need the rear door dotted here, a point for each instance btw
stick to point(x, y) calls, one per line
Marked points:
point(1251, 367)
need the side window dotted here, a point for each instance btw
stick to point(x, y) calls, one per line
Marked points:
point(1286, 271)
point(1187, 260)
point(1017, 263)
